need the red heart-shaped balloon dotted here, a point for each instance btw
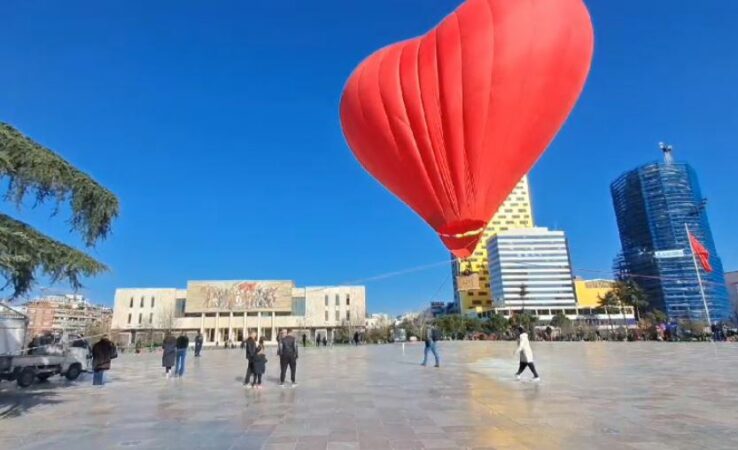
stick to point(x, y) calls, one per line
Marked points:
point(451, 120)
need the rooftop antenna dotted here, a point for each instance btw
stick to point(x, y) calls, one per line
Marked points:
point(667, 149)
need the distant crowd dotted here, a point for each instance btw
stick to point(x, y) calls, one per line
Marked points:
point(174, 354)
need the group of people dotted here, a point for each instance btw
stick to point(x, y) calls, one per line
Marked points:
point(523, 350)
point(175, 351)
point(318, 340)
point(256, 359)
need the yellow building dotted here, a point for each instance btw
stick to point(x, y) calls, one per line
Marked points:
point(590, 291)
point(515, 212)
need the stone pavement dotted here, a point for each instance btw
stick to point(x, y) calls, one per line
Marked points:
point(593, 396)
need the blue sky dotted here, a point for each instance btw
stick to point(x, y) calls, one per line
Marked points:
point(216, 124)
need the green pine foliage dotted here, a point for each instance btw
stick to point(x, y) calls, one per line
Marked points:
point(29, 169)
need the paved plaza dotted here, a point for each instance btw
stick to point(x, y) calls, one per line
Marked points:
point(593, 396)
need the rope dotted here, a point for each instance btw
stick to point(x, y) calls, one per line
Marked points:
point(54, 344)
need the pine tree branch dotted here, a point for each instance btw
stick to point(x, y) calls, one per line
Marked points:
point(32, 167)
point(24, 252)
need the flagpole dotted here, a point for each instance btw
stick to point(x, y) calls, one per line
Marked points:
point(699, 277)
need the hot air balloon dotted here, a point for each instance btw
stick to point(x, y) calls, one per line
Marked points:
point(451, 120)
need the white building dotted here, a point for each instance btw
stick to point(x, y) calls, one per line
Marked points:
point(533, 262)
point(227, 311)
point(378, 321)
point(611, 319)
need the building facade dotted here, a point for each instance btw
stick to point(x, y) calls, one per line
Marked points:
point(530, 268)
point(599, 318)
point(731, 279)
point(227, 311)
point(69, 313)
point(378, 321)
point(589, 292)
point(654, 205)
point(515, 212)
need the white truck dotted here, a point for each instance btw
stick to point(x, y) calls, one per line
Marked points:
point(25, 365)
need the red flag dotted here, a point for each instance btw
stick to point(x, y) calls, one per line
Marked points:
point(700, 252)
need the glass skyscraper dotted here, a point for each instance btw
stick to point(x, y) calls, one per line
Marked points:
point(654, 205)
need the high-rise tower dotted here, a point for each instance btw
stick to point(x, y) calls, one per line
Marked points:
point(655, 204)
point(515, 212)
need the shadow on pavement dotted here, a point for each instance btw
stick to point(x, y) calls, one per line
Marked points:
point(15, 402)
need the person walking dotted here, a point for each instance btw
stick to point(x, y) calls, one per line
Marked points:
point(250, 346)
point(182, 343)
point(169, 353)
point(526, 355)
point(304, 340)
point(102, 353)
point(287, 357)
point(325, 341)
point(198, 344)
point(259, 364)
point(431, 336)
point(356, 338)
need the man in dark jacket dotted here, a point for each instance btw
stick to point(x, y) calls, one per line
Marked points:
point(250, 353)
point(102, 353)
point(431, 337)
point(182, 343)
point(198, 343)
point(287, 357)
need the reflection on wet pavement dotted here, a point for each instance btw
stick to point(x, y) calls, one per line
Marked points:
point(593, 395)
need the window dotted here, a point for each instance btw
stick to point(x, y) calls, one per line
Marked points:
point(142, 301)
point(326, 302)
point(151, 318)
point(152, 301)
point(131, 304)
point(140, 316)
point(338, 300)
point(326, 316)
point(337, 316)
point(129, 314)
point(348, 315)
point(348, 300)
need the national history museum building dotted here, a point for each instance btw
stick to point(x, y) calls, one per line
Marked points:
point(227, 311)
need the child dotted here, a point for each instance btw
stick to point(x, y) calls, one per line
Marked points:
point(259, 363)
point(526, 355)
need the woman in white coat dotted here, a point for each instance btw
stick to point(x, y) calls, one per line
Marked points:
point(526, 355)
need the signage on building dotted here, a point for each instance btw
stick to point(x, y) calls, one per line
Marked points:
point(244, 295)
point(664, 254)
point(467, 282)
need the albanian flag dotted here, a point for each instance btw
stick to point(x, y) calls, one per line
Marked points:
point(700, 252)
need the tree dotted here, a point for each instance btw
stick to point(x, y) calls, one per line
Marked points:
point(379, 335)
point(630, 294)
point(31, 169)
point(165, 319)
point(496, 324)
point(526, 320)
point(562, 322)
point(96, 329)
point(608, 301)
point(523, 293)
point(411, 328)
point(472, 325)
